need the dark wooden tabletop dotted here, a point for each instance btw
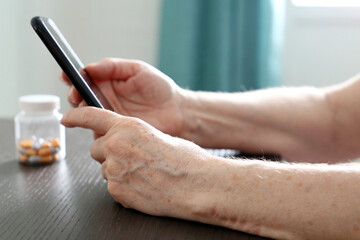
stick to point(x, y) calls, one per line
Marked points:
point(69, 200)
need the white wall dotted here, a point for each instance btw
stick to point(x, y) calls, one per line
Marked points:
point(322, 45)
point(95, 29)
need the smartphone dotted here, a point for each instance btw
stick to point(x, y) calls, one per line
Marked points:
point(69, 61)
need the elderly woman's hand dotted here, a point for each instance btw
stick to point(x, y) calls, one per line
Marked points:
point(134, 88)
point(146, 169)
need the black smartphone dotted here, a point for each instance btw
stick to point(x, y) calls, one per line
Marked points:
point(68, 61)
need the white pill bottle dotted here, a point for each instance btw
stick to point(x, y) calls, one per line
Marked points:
point(39, 136)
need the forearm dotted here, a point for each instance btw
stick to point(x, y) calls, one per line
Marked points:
point(281, 201)
point(281, 121)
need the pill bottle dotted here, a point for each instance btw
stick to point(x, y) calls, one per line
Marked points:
point(39, 136)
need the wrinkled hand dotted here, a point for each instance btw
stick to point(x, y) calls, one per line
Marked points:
point(146, 169)
point(134, 88)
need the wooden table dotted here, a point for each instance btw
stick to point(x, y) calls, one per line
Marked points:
point(69, 200)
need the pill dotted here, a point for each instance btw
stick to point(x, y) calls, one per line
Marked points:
point(36, 146)
point(55, 150)
point(26, 143)
point(34, 158)
point(46, 159)
point(44, 151)
point(39, 150)
point(23, 151)
point(46, 145)
point(55, 142)
point(31, 152)
point(23, 158)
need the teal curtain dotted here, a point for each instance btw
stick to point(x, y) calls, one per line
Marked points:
point(221, 45)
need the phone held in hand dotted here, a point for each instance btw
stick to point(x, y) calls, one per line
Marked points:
point(68, 61)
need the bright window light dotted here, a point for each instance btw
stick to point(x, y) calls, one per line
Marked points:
point(326, 3)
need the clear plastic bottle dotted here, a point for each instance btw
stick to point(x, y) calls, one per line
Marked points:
point(39, 136)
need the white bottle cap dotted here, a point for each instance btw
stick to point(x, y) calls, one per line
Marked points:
point(39, 103)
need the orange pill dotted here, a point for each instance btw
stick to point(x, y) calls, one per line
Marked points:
point(46, 145)
point(23, 158)
point(31, 152)
point(55, 142)
point(44, 151)
point(26, 143)
point(46, 159)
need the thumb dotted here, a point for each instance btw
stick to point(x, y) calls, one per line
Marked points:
point(113, 69)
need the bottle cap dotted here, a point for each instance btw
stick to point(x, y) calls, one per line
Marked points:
point(39, 103)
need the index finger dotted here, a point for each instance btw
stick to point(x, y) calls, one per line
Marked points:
point(99, 120)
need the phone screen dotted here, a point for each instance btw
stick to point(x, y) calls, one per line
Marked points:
point(69, 61)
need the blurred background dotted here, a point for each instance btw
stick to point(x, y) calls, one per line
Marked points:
point(217, 45)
